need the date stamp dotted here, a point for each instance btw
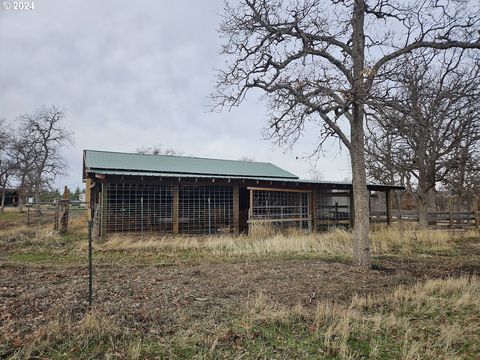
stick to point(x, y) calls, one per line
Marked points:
point(18, 5)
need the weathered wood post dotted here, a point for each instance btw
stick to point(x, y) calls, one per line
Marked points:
point(450, 212)
point(57, 214)
point(64, 211)
point(103, 211)
point(176, 200)
point(88, 198)
point(250, 212)
point(388, 201)
point(313, 206)
point(236, 210)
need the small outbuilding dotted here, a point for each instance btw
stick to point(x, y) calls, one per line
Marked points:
point(129, 192)
point(11, 197)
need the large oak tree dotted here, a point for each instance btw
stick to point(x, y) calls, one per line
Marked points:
point(318, 61)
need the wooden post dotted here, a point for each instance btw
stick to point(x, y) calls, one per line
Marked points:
point(450, 212)
point(64, 211)
point(352, 209)
point(313, 206)
point(176, 200)
point(103, 210)
point(388, 200)
point(57, 214)
point(250, 210)
point(88, 197)
point(236, 210)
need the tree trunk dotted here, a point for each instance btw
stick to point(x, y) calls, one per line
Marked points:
point(361, 247)
point(3, 200)
point(20, 201)
point(423, 202)
point(422, 210)
point(398, 202)
point(37, 197)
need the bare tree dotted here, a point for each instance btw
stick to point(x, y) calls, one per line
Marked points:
point(464, 181)
point(316, 61)
point(44, 134)
point(7, 164)
point(158, 150)
point(381, 166)
point(428, 122)
point(23, 155)
point(246, 159)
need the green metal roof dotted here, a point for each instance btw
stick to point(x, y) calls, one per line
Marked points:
point(116, 162)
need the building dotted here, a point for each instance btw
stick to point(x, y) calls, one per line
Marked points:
point(189, 195)
point(11, 197)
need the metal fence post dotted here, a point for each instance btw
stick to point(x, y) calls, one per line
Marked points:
point(90, 266)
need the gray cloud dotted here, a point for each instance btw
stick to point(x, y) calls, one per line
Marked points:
point(134, 74)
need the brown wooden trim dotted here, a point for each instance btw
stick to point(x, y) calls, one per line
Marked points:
point(252, 221)
point(333, 222)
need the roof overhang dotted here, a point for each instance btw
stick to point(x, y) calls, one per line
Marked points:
point(278, 180)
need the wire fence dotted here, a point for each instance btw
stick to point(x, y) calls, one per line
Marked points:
point(281, 209)
point(56, 215)
point(164, 209)
point(205, 210)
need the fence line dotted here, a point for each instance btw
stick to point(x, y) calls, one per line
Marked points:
point(450, 219)
point(59, 214)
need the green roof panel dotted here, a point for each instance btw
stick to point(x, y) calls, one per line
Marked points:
point(116, 161)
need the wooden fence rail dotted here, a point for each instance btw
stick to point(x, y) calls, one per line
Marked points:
point(441, 219)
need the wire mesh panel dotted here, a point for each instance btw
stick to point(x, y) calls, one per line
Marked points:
point(280, 208)
point(139, 208)
point(332, 208)
point(205, 209)
point(41, 214)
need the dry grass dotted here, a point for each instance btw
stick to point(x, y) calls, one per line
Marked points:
point(263, 242)
point(437, 319)
point(408, 239)
point(24, 236)
point(78, 336)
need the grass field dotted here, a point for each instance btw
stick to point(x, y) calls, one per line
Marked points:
point(266, 296)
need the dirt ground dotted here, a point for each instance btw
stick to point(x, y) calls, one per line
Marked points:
point(165, 299)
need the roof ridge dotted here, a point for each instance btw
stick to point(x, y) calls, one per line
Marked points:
point(181, 156)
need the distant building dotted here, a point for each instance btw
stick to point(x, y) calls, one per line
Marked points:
point(11, 197)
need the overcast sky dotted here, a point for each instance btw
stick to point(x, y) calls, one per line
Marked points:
point(136, 73)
